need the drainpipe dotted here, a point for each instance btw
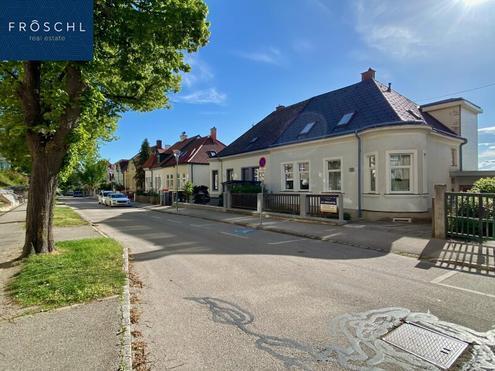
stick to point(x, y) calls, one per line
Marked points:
point(460, 154)
point(360, 212)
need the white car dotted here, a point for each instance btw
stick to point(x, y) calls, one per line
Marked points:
point(102, 195)
point(117, 199)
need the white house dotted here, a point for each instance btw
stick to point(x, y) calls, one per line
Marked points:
point(381, 150)
point(161, 168)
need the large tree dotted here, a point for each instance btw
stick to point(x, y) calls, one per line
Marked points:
point(143, 155)
point(50, 109)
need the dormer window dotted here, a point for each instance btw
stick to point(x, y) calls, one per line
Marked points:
point(345, 119)
point(211, 153)
point(306, 129)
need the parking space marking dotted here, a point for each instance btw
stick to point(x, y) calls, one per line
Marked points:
point(288, 241)
point(439, 281)
point(234, 235)
point(201, 225)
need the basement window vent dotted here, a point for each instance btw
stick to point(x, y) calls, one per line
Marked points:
point(433, 347)
point(345, 119)
point(402, 220)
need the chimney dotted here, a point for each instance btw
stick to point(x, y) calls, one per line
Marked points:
point(279, 107)
point(368, 75)
point(183, 136)
point(158, 144)
point(389, 87)
point(213, 133)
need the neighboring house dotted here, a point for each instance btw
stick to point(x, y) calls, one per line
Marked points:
point(130, 174)
point(383, 151)
point(194, 154)
point(4, 164)
point(120, 168)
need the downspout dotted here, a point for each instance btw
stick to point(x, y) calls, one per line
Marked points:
point(360, 211)
point(460, 153)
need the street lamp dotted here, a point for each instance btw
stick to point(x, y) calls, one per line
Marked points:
point(177, 155)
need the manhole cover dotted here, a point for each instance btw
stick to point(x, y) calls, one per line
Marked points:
point(433, 347)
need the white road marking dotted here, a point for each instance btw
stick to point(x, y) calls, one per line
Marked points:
point(443, 277)
point(173, 221)
point(233, 235)
point(201, 225)
point(288, 241)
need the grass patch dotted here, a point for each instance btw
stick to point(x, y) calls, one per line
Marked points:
point(79, 271)
point(64, 216)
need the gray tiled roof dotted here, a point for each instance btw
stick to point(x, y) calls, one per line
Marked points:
point(369, 100)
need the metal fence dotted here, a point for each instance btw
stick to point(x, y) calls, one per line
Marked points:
point(282, 203)
point(470, 216)
point(244, 201)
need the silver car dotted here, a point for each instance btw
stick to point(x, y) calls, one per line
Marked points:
point(117, 199)
point(102, 195)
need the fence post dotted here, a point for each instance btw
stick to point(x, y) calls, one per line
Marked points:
point(259, 202)
point(227, 200)
point(439, 211)
point(303, 204)
point(341, 207)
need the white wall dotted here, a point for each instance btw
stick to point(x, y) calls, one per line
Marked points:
point(469, 130)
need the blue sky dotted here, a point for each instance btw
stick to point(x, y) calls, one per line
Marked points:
point(265, 53)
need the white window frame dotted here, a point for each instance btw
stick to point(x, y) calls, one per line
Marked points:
point(283, 179)
point(326, 171)
point(367, 175)
point(213, 189)
point(296, 178)
point(413, 174)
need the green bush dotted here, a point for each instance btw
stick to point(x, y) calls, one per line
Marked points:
point(484, 185)
point(11, 177)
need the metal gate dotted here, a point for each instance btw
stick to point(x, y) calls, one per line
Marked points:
point(470, 216)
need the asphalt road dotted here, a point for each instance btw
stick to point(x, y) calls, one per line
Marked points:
point(224, 297)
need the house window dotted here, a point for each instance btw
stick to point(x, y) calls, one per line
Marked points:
point(183, 181)
point(453, 154)
point(214, 180)
point(334, 168)
point(303, 176)
point(158, 182)
point(229, 175)
point(371, 173)
point(400, 172)
point(249, 174)
point(288, 177)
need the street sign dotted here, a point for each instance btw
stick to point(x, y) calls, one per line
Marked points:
point(262, 162)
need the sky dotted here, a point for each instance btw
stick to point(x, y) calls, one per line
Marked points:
point(265, 53)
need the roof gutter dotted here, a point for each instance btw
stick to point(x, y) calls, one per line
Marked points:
point(464, 142)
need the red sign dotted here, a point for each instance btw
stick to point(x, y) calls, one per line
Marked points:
point(262, 162)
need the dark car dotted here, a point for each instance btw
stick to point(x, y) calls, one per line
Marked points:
point(201, 195)
point(78, 194)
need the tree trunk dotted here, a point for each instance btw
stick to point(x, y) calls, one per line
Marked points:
point(42, 189)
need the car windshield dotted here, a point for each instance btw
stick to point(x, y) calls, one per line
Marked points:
point(106, 193)
point(117, 195)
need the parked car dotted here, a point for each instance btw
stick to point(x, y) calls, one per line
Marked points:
point(102, 195)
point(78, 193)
point(201, 195)
point(117, 199)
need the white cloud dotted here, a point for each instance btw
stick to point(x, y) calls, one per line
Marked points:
point(200, 72)
point(269, 56)
point(205, 96)
point(487, 165)
point(490, 130)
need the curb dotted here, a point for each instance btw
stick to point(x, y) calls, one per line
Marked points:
point(281, 231)
point(125, 362)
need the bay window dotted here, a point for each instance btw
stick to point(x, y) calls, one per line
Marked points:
point(401, 172)
point(371, 171)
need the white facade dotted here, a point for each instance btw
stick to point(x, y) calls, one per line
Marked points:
point(164, 178)
point(399, 168)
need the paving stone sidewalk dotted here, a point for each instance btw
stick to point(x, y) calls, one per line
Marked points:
point(405, 239)
point(81, 337)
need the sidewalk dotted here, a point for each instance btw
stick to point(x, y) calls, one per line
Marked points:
point(80, 337)
point(404, 239)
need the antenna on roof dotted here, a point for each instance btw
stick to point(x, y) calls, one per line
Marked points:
point(389, 87)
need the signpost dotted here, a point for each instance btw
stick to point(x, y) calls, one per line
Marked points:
point(328, 204)
point(261, 177)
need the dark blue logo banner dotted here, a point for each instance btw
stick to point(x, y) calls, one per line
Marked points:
point(46, 30)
